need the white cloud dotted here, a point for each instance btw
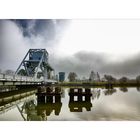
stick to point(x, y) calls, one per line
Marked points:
point(117, 38)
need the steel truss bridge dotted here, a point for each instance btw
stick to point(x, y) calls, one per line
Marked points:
point(33, 70)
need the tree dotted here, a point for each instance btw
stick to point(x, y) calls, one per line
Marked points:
point(123, 80)
point(138, 79)
point(22, 72)
point(72, 76)
point(39, 75)
point(94, 76)
point(110, 78)
point(98, 76)
point(9, 72)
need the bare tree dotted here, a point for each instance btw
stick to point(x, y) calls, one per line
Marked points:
point(72, 76)
point(94, 76)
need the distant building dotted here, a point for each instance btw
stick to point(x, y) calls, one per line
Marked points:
point(61, 76)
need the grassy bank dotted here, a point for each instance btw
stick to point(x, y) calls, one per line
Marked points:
point(100, 84)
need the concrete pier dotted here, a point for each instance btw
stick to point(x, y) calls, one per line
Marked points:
point(49, 100)
point(83, 99)
point(48, 94)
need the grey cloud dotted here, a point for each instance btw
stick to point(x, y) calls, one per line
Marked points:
point(14, 44)
point(46, 28)
point(83, 62)
point(128, 67)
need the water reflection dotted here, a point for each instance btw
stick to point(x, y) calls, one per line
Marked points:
point(29, 109)
point(96, 93)
point(109, 91)
point(124, 89)
point(138, 89)
point(55, 103)
point(48, 100)
point(79, 99)
point(12, 98)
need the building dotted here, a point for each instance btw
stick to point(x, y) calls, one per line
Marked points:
point(61, 76)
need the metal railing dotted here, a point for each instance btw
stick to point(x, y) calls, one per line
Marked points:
point(5, 77)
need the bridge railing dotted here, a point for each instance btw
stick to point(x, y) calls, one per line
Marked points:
point(5, 77)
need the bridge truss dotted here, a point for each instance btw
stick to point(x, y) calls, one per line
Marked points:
point(35, 64)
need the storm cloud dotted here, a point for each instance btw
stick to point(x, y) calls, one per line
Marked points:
point(84, 62)
point(18, 36)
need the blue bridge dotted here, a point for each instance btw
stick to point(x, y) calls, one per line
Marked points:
point(33, 70)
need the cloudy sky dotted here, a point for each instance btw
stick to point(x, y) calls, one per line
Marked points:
point(106, 46)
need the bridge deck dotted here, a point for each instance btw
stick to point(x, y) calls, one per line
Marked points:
point(21, 80)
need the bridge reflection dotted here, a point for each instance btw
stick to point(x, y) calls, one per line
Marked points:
point(48, 101)
point(11, 99)
point(79, 99)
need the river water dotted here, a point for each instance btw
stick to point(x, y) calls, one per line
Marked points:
point(103, 105)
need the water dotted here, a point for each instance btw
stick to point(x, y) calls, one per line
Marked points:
point(104, 104)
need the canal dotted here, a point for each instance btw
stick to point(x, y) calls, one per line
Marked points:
point(99, 105)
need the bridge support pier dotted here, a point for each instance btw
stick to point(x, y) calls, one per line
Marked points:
point(83, 100)
point(49, 95)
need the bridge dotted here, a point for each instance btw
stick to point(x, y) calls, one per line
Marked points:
point(18, 80)
point(33, 70)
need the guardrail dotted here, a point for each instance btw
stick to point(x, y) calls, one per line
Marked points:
point(5, 77)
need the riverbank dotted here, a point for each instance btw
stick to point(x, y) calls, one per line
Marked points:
point(99, 84)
